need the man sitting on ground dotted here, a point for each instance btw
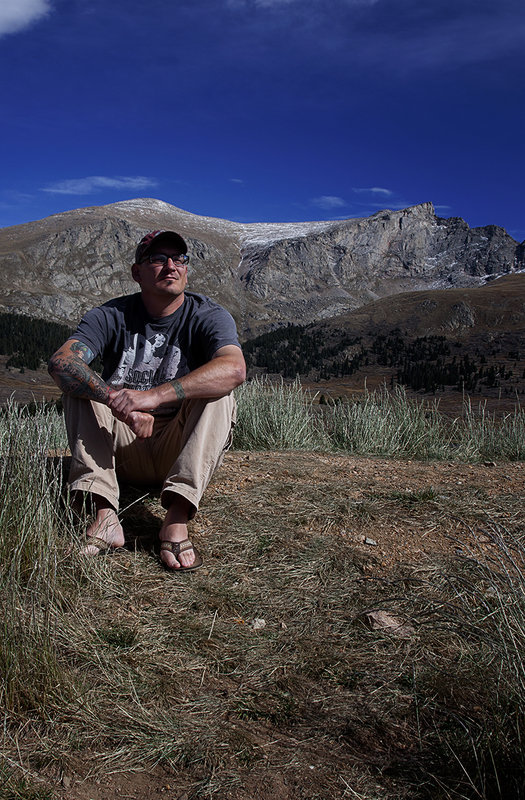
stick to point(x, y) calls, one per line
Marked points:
point(163, 410)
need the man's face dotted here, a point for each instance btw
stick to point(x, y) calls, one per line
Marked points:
point(158, 279)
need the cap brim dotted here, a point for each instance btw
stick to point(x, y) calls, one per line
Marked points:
point(171, 236)
point(162, 237)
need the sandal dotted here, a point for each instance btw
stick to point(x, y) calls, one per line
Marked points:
point(179, 547)
point(101, 544)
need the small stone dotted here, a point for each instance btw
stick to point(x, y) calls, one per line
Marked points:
point(371, 542)
point(382, 620)
point(258, 624)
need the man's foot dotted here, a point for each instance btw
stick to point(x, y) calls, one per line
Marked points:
point(175, 529)
point(104, 533)
point(179, 550)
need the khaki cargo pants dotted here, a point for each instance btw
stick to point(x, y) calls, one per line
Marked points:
point(181, 455)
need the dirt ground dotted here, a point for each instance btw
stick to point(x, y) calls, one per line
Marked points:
point(403, 536)
point(403, 513)
point(25, 386)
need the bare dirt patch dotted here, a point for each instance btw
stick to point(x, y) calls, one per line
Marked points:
point(25, 385)
point(411, 510)
point(313, 704)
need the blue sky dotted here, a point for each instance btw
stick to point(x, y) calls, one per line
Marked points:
point(264, 110)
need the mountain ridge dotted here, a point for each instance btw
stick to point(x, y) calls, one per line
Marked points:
point(267, 274)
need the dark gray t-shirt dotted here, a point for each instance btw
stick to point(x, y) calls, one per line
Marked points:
point(140, 352)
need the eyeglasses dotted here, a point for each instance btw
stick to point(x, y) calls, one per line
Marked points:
point(161, 259)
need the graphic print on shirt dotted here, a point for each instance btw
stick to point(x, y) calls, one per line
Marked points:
point(147, 363)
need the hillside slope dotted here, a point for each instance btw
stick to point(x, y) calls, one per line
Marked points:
point(469, 340)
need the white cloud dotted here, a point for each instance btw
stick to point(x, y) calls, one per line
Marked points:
point(97, 183)
point(281, 3)
point(374, 190)
point(272, 3)
point(234, 4)
point(15, 15)
point(236, 180)
point(328, 201)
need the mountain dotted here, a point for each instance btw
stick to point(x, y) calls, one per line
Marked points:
point(266, 274)
point(470, 340)
point(491, 310)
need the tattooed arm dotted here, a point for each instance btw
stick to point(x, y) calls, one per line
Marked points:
point(69, 368)
point(216, 378)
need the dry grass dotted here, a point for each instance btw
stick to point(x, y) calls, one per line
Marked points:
point(121, 678)
point(279, 416)
point(114, 670)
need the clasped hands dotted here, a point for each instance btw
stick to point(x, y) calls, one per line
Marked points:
point(133, 407)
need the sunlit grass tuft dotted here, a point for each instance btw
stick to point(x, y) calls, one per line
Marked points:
point(279, 416)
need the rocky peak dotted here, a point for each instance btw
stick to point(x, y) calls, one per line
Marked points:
point(267, 274)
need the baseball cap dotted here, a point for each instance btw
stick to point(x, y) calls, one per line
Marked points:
point(154, 238)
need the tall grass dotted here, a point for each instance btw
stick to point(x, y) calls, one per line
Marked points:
point(388, 424)
point(481, 435)
point(30, 552)
point(279, 416)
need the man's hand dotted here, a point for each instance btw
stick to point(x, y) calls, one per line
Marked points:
point(216, 378)
point(124, 401)
point(71, 372)
point(140, 423)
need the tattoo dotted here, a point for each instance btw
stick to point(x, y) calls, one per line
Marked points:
point(77, 379)
point(181, 394)
point(82, 351)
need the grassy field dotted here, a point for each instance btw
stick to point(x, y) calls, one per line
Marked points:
point(358, 629)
